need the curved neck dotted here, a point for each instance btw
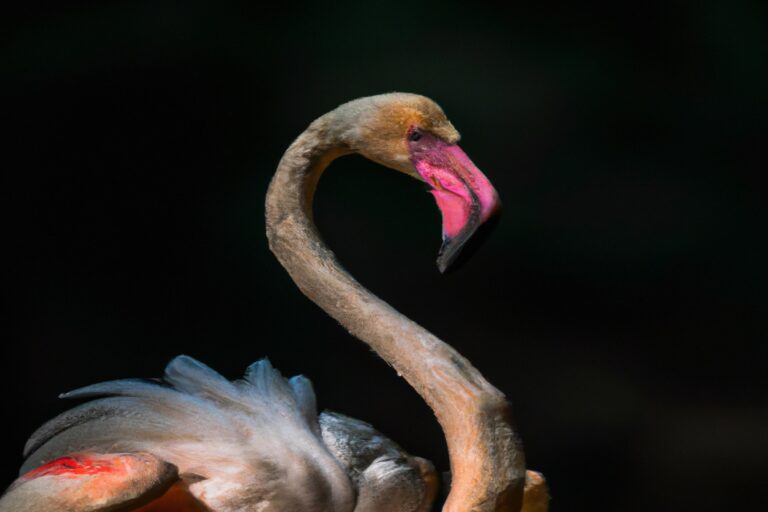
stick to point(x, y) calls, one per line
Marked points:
point(487, 463)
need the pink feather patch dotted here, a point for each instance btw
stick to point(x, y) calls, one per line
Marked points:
point(76, 465)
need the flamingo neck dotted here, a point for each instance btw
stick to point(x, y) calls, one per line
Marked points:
point(487, 463)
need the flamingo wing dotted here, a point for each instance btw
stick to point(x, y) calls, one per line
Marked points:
point(195, 440)
point(249, 444)
point(98, 482)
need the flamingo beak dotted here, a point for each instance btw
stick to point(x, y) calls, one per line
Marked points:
point(468, 202)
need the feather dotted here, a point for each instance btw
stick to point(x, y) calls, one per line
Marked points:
point(305, 399)
point(190, 376)
point(386, 477)
point(267, 382)
point(259, 434)
point(90, 411)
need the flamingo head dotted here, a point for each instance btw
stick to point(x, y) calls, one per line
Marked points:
point(410, 133)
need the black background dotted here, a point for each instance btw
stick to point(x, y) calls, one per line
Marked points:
point(619, 304)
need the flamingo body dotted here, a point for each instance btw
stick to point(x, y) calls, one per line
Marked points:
point(255, 444)
point(195, 441)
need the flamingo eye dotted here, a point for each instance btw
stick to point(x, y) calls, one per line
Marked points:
point(414, 136)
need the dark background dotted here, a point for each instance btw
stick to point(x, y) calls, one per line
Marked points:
point(619, 304)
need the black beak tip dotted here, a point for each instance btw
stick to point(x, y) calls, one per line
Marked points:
point(448, 253)
point(458, 250)
point(443, 265)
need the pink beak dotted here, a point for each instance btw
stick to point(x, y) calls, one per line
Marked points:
point(466, 198)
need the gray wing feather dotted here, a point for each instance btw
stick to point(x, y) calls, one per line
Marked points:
point(387, 478)
point(85, 413)
point(123, 387)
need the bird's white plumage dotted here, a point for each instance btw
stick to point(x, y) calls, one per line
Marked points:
point(253, 444)
point(249, 443)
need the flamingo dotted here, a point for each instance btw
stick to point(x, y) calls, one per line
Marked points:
point(195, 441)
